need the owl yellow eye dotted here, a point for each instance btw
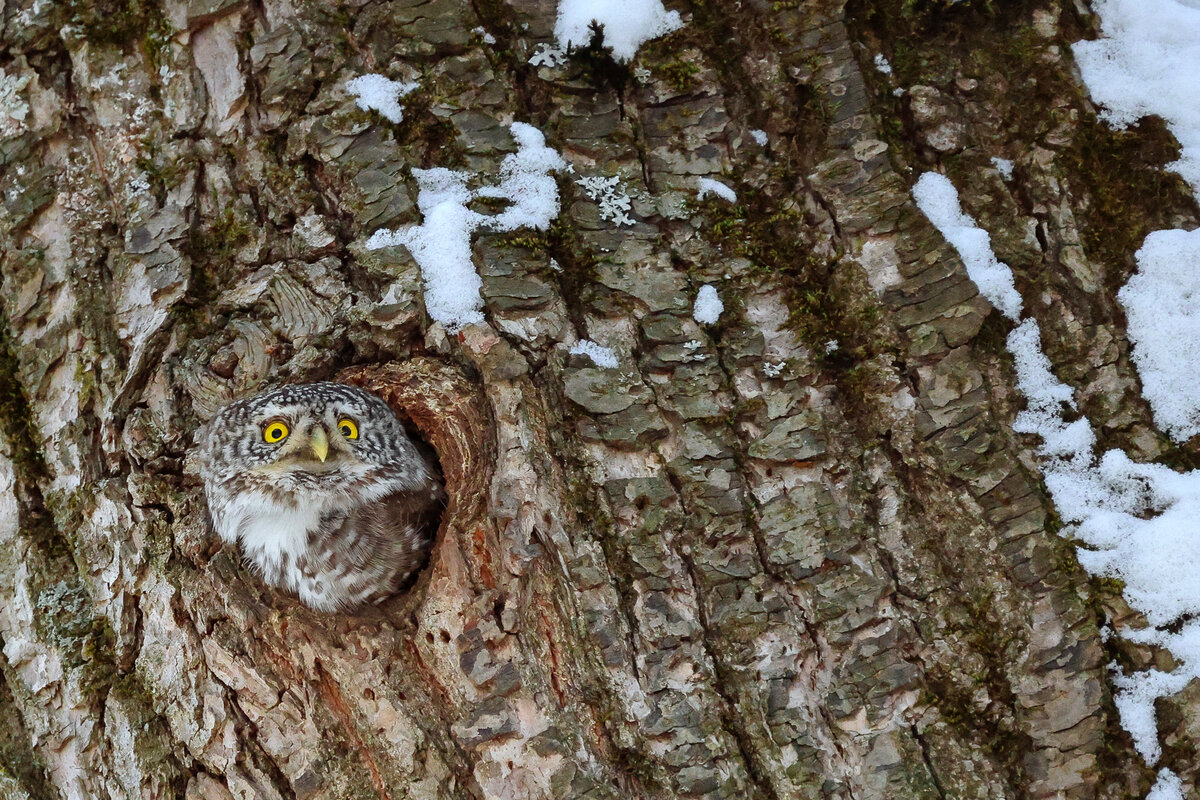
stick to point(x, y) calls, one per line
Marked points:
point(348, 428)
point(275, 432)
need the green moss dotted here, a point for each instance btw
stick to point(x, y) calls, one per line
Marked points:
point(85, 380)
point(499, 19)
point(19, 762)
point(904, 22)
point(162, 173)
point(121, 23)
point(535, 242)
point(776, 238)
point(86, 642)
point(68, 511)
point(16, 420)
point(216, 244)
point(934, 42)
point(988, 635)
point(1129, 196)
point(64, 616)
point(431, 138)
point(577, 279)
point(680, 74)
point(925, 9)
point(151, 736)
point(709, 31)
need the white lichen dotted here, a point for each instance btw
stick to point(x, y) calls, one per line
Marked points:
point(614, 203)
point(312, 231)
point(691, 353)
point(547, 55)
point(13, 106)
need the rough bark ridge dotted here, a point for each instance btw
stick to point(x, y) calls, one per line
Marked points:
point(796, 554)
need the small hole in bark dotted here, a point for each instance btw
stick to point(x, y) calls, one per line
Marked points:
point(434, 523)
point(401, 696)
point(429, 638)
point(445, 637)
point(445, 415)
point(641, 503)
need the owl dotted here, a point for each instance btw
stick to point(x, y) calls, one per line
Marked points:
point(323, 490)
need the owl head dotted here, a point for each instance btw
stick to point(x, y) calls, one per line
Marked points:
point(310, 437)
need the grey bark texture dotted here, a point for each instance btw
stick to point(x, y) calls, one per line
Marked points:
point(796, 554)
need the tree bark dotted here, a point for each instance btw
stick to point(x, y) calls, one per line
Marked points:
point(798, 553)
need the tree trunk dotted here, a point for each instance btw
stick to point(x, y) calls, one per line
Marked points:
point(798, 553)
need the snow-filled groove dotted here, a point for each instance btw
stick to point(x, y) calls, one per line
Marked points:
point(1137, 522)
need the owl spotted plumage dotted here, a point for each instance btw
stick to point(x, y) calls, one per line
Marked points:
point(323, 490)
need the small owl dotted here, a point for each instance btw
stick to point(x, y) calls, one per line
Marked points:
point(323, 490)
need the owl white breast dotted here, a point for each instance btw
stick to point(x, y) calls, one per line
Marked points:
point(323, 490)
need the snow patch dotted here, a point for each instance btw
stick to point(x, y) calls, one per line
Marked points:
point(707, 186)
point(628, 24)
point(759, 137)
point(1144, 65)
point(1167, 787)
point(600, 356)
point(882, 65)
point(1004, 166)
point(1162, 306)
point(441, 245)
point(938, 200)
point(708, 306)
point(375, 92)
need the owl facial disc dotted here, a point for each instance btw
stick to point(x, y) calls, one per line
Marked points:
point(323, 490)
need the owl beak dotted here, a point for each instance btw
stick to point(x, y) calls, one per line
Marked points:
point(319, 443)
